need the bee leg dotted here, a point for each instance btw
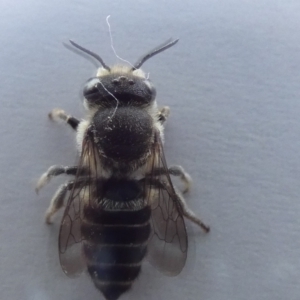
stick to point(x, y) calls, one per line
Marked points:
point(163, 114)
point(189, 214)
point(54, 171)
point(184, 176)
point(58, 114)
point(176, 171)
point(57, 200)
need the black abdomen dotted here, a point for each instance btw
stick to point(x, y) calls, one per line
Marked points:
point(115, 245)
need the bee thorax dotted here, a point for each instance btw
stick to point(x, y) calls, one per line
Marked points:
point(123, 134)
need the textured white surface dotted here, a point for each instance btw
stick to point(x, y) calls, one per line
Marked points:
point(233, 85)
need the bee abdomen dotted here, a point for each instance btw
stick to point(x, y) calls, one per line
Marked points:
point(114, 251)
point(113, 290)
point(113, 269)
point(113, 281)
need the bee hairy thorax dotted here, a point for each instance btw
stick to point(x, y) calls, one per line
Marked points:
point(116, 231)
point(123, 134)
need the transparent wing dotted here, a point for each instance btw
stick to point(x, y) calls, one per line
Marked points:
point(168, 245)
point(70, 250)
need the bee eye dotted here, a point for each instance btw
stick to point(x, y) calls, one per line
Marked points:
point(151, 89)
point(91, 90)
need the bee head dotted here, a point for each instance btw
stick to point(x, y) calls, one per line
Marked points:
point(127, 85)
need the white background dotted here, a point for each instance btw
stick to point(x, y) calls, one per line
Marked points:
point(232, 83)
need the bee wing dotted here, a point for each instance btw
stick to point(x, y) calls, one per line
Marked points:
point(168, 245)
point(70, 238)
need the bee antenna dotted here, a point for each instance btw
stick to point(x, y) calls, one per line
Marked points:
point(169, 43)
point(96, 56)
point(112, 44)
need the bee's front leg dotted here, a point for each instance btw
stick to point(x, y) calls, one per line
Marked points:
point(163, 114)
point(58, 114)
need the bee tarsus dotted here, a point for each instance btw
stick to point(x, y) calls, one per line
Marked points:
point(52, 172)
point(58, 114)
point(163, 114)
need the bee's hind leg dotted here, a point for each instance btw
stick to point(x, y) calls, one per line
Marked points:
point(189, 214)
point(58, 114)
point(52, 172)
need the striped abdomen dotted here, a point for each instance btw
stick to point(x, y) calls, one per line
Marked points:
point(115, 245)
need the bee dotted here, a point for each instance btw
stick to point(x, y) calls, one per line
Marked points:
point(121, 205)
